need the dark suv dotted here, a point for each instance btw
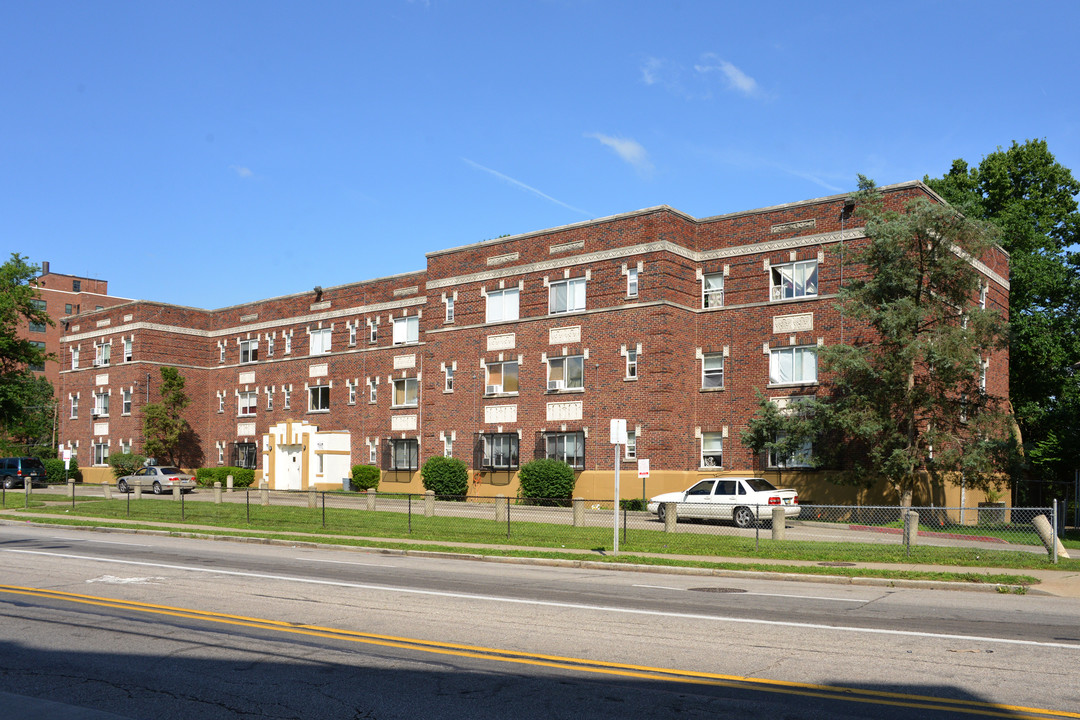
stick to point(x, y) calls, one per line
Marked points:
point(17, 472)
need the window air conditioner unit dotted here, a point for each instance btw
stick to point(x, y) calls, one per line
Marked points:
point(492, 389)
point(555, 384)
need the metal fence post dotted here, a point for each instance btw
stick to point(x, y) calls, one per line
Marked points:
point(1055, 545)
point(408, 498)
point(324, 510)
point(183, 512)
point(507, 519)
point(624, 525)
point(247, 503)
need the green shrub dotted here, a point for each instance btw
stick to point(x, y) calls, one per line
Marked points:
point(445, 476)
point(632, 504)
point(242, 477)
point(54, 468)
point(125, 463)
point(365, 477)
point(551, 482)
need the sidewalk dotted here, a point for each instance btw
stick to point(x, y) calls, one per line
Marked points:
point(1059, 583)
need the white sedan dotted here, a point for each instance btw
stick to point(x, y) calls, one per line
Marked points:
point(740, 499)
point(159, 478)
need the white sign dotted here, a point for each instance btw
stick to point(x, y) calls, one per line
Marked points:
point(618, 432)
point(643, 468)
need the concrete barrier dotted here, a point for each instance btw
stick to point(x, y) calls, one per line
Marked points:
point(229, 482)
point(579, 512)
point(371, 498)
point(312, 498)
point(138, 492)
point(671, 516)
point(264, 492)
point(429, 503)
point(779, 523)
point(217, 492)
point(176, 493)
point(71, 488)
point(911, 529)
point(106, 489)
point(501, 508)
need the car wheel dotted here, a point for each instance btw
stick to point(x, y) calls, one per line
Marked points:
point(743, 517)
point(122, 486)
point(157, 488)
point(8, 484)
point(661, 512)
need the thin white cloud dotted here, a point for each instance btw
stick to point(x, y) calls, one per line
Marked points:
point(733, 76)
point(523, 186)
point(242, 171)
point(629, 150)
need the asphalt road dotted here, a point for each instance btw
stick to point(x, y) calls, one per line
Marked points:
point(157, 627)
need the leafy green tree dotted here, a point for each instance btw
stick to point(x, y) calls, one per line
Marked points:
point(785, 433)
point(904, 400)
point(30, 432)
point(445, 476)
point(1031, 197)
point(166, 431)
point(125, 463)
point(18, 354)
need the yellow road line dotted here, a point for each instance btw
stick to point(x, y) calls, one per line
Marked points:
point(877, 697)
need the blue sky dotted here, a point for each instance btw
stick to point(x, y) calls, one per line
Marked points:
point(214, 153)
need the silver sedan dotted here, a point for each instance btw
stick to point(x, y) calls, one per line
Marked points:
point(159, 478)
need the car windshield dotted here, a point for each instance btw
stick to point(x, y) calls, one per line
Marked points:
point(168, 471)
point(759, 484)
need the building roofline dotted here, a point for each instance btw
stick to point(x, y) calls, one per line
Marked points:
point(686, 216)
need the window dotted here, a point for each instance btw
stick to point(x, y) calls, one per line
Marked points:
point(631, 363)
point(712, 290)
point(372, 392)
point(449, 313)
point(352, 335)
point(319, 398)
point(249, 351)
point(566, 296)
point(631, 444)
point(39, 306)
point(712, 449)
point(286, 397)
point(127, 350)
point(74, 407)
point(246, 403)
point(221, 403)
point(792, 365)
point(269, 398)
point(449, 386)
point(373, 454)
point(404, 454)
point(74, 358)
point(712, 370)
point(631, 282)
point(125, 447)
point(406, 330)
point(76, 285)
point(220, 453)
point(406, 392)
point(502, 378)
point(448, 446)
point(794, 280)
point(40, 346)
point(102, 353)
point(125, 401)
point(101, 454)
point(320, 342)
point(499, 451)
point(101, 404)
point(269, 346)
point(799, 458)
point(244, 455)
point(288, 342)
point(352, 393)
point(502, 305)
point(566, 373)
point(67, 308)
point(373, 335)
point(221, 353)
point(568, 447)
point(983, 292)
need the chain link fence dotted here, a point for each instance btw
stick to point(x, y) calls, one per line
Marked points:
point(932, 534)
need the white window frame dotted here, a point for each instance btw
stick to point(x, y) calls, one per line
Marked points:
point(320, 341)
point(319, 399)
point(631, 445)
point(102, 354)
point(74, 407)
point(632, 282)
point(406, 393)
point(711, 376)
point(101, 453)
point(128, 354)
point(572, 291)
point(448, 382)
point(75, 358)
point(564, 366)
point(499, 388)
point(352, 335)
point(502, 305)
point(802, 365)
point(352, 393)
point(221, 402)
point(712, 290)
point(449, 310)
point(288, 342)
point(269, 399)
point(101, 403)
point(247, 403)
point(269, 346)
point(373, 392)
point(249, 351)
point(793, 280)
point(712, 446)
point(221, 353)
point(407, 330)
point(373, 334)
point(125, 401)
point(286, 397)
point(631, 363)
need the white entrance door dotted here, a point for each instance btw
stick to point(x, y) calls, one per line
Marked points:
point(291, 472)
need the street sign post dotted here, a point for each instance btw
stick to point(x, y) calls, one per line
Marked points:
point(618, 438)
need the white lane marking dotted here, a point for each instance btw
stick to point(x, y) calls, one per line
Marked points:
point(570, 606)
point(103, 542)
point(759, 594)
point(113, 580)
point(341, 562)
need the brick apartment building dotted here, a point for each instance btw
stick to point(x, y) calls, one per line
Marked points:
point(60, 296)
point(510, 349)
